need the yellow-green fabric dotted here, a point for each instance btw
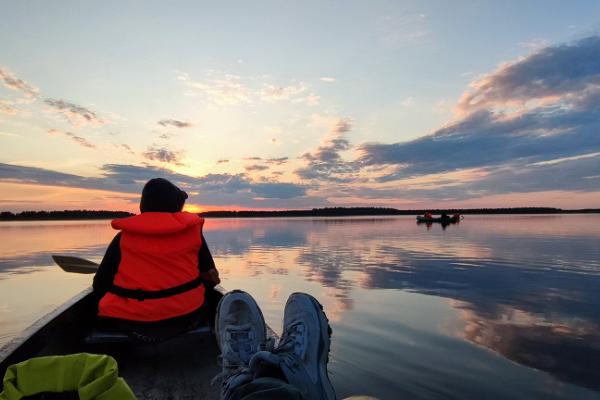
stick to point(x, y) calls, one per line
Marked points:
point(94, 376)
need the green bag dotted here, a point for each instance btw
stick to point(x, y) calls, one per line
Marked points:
point(93, 376)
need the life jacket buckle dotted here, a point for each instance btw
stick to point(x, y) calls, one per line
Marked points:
point(139, 294)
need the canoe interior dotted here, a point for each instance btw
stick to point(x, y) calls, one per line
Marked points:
point(180, 368)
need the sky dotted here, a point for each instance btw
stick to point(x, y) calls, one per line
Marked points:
point(298, 105)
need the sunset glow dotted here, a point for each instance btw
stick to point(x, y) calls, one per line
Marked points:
point(296, 106)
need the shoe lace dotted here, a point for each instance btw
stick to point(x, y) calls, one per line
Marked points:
point(291, 348)
point(236, 356)
point(236, 352)
point(240, 339)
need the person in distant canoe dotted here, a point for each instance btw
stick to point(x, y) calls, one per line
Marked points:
point(157, 275)
point(428, 215)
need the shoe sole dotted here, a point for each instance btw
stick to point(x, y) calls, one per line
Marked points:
point(252, 303)
point(324, 346)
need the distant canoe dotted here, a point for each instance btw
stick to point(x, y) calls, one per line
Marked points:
point(448, 220)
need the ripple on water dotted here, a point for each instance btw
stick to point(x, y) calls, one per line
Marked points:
point(496, 307)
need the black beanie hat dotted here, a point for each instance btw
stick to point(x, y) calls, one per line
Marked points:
point(160, 195)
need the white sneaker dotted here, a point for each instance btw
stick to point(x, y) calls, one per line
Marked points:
point(304, 347)
point(241, 331)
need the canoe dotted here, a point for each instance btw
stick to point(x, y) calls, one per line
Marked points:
point(449, 220)
point(178, 368)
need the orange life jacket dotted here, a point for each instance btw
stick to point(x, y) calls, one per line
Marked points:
point(158, 276)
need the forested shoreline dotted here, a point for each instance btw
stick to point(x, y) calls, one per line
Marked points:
point(315, 212)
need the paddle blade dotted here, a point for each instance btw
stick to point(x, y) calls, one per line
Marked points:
point(75, 264)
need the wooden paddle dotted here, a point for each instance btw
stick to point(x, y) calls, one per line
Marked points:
point(75, 264)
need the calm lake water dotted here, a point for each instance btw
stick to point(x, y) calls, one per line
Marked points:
point(497, 307)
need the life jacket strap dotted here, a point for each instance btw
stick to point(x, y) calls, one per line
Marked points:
point(141, 294)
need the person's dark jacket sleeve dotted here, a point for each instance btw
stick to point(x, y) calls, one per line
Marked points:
point(107, 270)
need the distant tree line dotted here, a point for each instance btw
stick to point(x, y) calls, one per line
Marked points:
point(356, 211)
point(315, 212)
point(61, 215)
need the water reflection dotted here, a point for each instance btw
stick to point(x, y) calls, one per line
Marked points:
point(525, 291)
point(25, 244)
point(442, 310)
point(568, 348)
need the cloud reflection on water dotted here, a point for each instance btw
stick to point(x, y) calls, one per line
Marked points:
point(566, 348)
point(524, 287)
point(525, 291)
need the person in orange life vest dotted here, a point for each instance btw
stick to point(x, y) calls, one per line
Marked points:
point(158, 271)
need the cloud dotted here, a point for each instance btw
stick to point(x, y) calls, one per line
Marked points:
point(310, 100)
point(256, 167)
point(267, 161)
point(119, 175)
point(568, 174)
point(485, 139)
point(222, 161)
point(6, 107)
point(164, 155)
point(273, 93)
point(565, 159)
point(174, 123)
point(81, 141)
point(530, 126)
point(278, 190)
point(125, 147)
point(547, 76)
point(222, 189)
point(408, 102)
point(211, 188)
point(327, 79)
point(224, 89)
point(325, 163)
point(295, 93)
point(277, 161)
point(548, 145)
point(76, 115)
point(441, 107)
point(23, 174)
point(12, 82)
point(343, 125)
point(535, 44)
